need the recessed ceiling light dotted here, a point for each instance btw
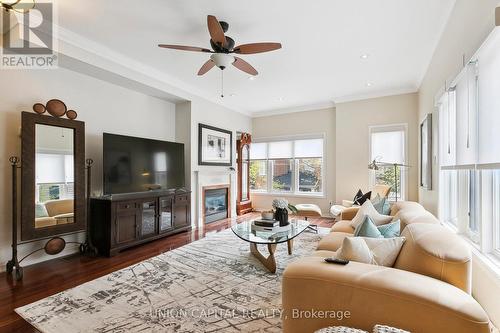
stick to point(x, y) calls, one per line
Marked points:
point(368, 84)
point(251, 78)
point(232, 95)
point(281, 99)
point(364, 56)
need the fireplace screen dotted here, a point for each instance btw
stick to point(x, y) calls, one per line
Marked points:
point(215, 205)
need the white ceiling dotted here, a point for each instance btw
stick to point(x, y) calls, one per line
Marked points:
point(320, 61)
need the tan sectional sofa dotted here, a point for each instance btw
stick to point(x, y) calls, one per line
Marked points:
point(427, 290)
point(59, 212)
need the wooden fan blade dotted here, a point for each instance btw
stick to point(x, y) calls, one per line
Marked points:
point(215, 30)
point(244, 66)
point(206, 67)
point(185, 48)
point(256, 48)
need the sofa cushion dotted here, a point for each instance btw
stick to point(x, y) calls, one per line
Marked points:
point(411, 215)
point(332, 241)
point(355, 249)
point(402, 205)
point(343, 226)
point(40, 210)
point(58, 207)
point(432, 250)
point(368, 209)
point(384, 250)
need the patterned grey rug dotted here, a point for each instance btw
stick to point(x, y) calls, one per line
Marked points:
point(211, 285)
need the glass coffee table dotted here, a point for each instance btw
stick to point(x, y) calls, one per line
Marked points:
point(269, 238)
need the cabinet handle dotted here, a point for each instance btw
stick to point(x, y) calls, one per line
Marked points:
point(127, 206)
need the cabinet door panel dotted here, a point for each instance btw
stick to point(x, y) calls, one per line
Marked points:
point(148, 218)
point(181, 215)
point(166, 214)
point(126, 227)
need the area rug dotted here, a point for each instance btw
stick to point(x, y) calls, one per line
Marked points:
point(211, 285)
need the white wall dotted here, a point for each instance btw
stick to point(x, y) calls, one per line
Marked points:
point(102, 106)
point(469, 24)
point(301, 123)
point(208, 113)
point(352, 130)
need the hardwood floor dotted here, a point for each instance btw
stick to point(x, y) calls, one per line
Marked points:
point(50, 277)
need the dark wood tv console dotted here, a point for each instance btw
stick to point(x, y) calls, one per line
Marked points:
point(121, 221)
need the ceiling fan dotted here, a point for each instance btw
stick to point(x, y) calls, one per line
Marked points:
point(223, 47)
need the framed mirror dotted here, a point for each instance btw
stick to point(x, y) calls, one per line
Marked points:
point(53, 176)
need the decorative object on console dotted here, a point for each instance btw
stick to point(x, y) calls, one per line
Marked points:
point(215, 146)
point(426, 153)
point(243, 202)
point(53, 152)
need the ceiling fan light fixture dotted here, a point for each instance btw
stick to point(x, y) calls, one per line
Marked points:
point(222, 60)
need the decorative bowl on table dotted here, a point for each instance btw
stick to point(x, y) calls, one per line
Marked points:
point(267, 215)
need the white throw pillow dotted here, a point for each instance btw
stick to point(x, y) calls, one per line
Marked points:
point(375, 251)
point(355, 249)
point(368, 209)
point(384, 251)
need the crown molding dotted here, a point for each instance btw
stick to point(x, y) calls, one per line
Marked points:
point(379, 94)
point(294, 109)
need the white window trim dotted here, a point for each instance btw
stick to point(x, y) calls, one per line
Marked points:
point(390, 128)
point(295, 192)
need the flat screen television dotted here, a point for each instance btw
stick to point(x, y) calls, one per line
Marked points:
point(133, 164)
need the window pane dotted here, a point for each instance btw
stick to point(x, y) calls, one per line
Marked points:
point(388, 175)
point(310, 179)
point(280, 149)
point(388, 147)
point(309, 148)
point(448, 196)
point(244, 181)
point(473, 223)
point(258, 151)
point(282, 175)
point(258, 175)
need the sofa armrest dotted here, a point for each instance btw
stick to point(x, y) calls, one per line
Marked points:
point(317, 294)
point(349, 213)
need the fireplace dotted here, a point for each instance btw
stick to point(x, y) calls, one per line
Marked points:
point(216, 203)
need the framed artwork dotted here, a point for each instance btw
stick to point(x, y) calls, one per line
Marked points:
point(426, 153)
point(215, 146)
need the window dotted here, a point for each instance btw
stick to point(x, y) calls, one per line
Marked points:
point(287, 166)
point(494, 202)
point(54, 177)
point(388, 147)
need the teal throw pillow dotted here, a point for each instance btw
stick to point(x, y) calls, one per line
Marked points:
point(390, 230)
point(369, 229)
point(40, 211)
point(382, 205)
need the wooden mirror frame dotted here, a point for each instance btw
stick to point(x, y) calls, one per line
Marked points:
point(28, 230)
point(243, 206)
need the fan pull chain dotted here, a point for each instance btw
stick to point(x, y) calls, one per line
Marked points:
point(222, 84)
